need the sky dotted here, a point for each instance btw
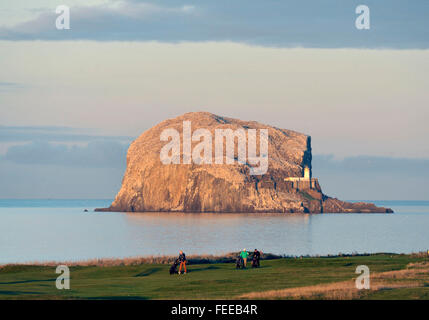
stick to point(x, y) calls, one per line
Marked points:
point(71, 101)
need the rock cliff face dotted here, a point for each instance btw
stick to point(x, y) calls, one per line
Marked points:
point(150, 185)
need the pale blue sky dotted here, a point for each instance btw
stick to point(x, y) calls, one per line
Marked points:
point(72, 100)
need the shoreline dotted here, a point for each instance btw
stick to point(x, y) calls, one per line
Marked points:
point(193, 259)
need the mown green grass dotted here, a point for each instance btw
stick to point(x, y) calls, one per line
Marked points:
point(204, 281)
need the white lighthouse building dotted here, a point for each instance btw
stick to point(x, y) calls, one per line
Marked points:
point(305, 182)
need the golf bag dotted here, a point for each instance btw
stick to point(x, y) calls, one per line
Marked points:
point(239, 263)
point(255, 262)
point(173, 268)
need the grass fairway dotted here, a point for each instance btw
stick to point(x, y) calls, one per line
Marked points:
point(222, 281)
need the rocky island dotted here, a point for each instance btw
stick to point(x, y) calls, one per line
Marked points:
point(286, 186)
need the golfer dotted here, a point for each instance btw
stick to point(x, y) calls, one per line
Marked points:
point(244, 254)
point(182, 260)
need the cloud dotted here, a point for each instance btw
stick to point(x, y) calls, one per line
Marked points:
point(120, 20)
point(10, 86)
point(372, 178)
point(59, 162)
point(371, 165)
point(308, 23)
point(58, 181)
point(61, 146)
point(51, 134)
point(94, 154)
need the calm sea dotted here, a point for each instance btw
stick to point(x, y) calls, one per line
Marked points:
point(45, 230)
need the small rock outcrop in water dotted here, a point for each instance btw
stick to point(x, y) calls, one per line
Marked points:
point(287, 186)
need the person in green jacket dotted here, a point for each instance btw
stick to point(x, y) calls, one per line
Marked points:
point(244, 254)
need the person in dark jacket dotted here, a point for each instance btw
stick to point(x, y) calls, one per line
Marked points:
point(182, 260)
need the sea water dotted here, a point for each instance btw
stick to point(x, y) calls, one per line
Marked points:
point(60, 230)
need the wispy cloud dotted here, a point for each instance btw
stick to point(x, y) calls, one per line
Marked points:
point(53, 134)
point(100, 154)
point(370, 177)
point(308, 23)
point(372, 165)
point(10, 86)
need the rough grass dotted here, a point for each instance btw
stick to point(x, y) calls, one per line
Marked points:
point(415, 275)
point(392, 277)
